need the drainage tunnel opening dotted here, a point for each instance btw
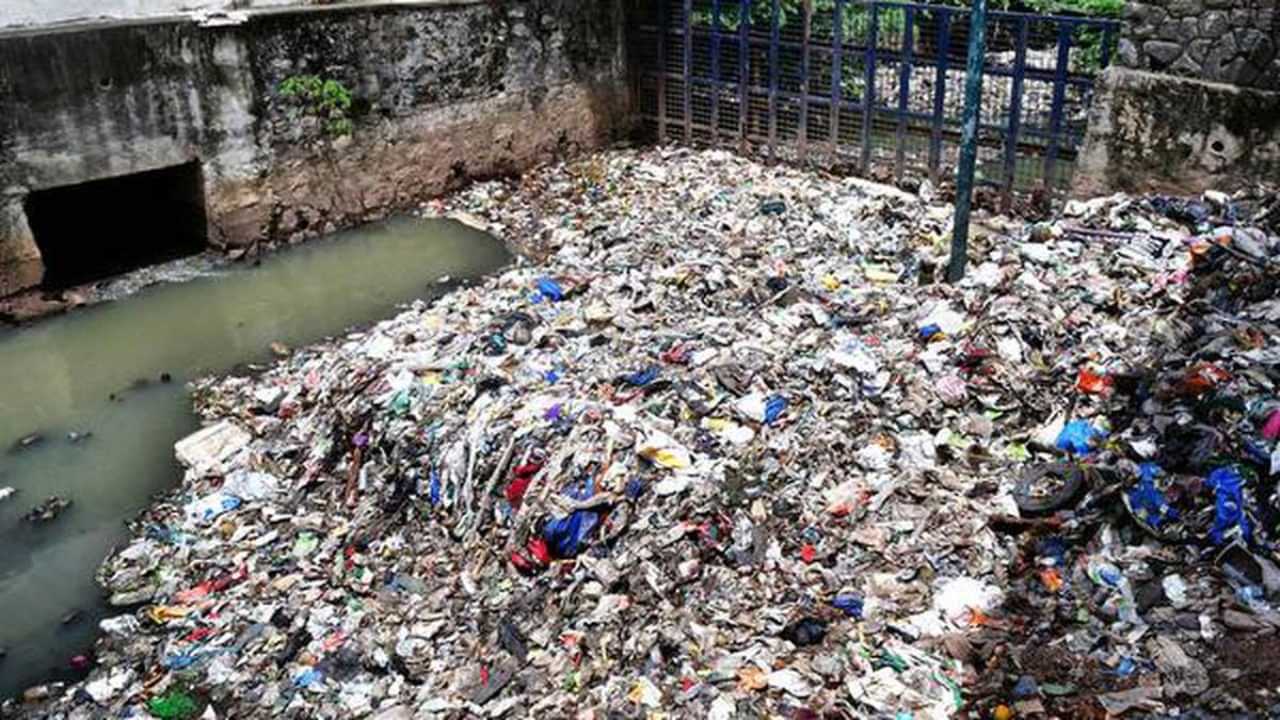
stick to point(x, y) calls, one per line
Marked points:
point(98, 229)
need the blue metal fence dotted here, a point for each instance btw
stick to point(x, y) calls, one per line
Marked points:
point(871, 87)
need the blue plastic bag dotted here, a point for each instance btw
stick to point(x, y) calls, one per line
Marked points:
point(849, 603)
point(308, 678)
point(1079, 437)
point(435, 487)
point(773, 408)
point(1147, 501)
point(635, 488)
point(549, 289)
point(566, 536)
point(1228, 499)
point(643, 377)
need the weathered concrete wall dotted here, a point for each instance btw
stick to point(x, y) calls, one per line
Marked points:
point(1230, 41)
point(1150, 132)
point(443, 94)
point(1191, 104)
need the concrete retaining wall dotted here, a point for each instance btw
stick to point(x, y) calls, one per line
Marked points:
point(1192, 103)
point(444, 92)
point(1151, 132)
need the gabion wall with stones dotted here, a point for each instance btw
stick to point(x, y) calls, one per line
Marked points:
point(1230, 41)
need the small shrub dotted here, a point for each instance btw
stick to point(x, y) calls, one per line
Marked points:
point(327, 100)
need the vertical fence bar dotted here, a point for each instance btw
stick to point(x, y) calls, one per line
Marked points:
point(744, 71)
point(904, 89)
point(1059, 100)
point(940, 92)
point(715, 72)
point(774, 40)
point(662, 71)
point(837, 79)
point(1108, 37)
point(802, 135)
point(688, 72)
point(1015, 115)
point(968, 140)
point(869, 89)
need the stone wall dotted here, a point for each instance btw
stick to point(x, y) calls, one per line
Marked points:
point(1229, 41)
point(1157, 133)
point(443, 93)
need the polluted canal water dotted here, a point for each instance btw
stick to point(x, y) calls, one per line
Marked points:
point(90, 386)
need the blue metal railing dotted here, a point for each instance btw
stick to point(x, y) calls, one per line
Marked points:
point(872, 86)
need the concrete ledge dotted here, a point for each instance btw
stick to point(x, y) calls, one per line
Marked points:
point(1159, 133)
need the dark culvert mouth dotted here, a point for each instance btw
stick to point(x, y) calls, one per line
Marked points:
point(99, 229)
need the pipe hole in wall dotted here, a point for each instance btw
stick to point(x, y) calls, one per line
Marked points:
point(94, 230)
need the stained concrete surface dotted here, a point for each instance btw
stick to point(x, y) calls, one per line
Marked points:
point(1151, 132)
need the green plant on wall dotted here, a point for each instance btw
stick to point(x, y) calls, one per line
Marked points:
point(327, 100)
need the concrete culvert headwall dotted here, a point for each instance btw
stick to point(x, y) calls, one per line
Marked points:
point(437, 94)
point(100, 228)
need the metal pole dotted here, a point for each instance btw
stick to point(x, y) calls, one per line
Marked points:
point(968, 139)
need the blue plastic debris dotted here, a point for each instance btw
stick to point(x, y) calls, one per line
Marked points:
point(181, 661)
point(567, 535)
point(1257, 452)
point(930, 330)
point(635, 488)
point(1125, 667)
point(435, 487)
point(773, 408)
point(643, 377)
point(551, 376)
point(1105, 573)
point(548, 289)
point(850, 604)
point(1147, 502)
point(1055, 548)
point(554, 414)
point(1250, 595)
point(1025, 687)
point(1079, 437)
point(308, 677)
point(1228, 487)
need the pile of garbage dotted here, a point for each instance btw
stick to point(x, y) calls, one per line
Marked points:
point(728, 450)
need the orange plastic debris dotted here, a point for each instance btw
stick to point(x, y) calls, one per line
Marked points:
point(1093, 383)
point(1203, 377)
point(1052, 579)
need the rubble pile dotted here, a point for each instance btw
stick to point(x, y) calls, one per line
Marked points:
point(727, 450)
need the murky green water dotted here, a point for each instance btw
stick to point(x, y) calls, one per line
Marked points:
point(58, 377)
